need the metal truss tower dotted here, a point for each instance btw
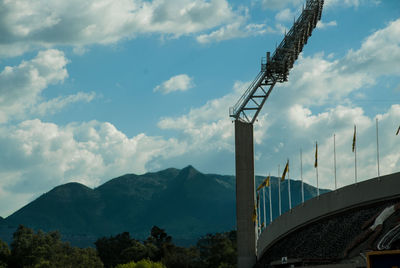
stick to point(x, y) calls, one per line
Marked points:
point(274, 69)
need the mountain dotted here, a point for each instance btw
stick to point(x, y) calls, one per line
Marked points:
point(186, 203)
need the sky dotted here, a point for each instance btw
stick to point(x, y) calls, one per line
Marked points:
point(94, 89)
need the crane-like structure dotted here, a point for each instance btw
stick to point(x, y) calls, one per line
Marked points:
point(274, 69)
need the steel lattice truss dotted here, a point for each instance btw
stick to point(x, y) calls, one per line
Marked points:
point(276, 68)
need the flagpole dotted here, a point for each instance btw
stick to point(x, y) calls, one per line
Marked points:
point(355, 154)
point(270, 199)
point(289, 192)
point(377, 146)
point(317, 182)
point(265, 216)
point(279, 190)
point(301, 175)
point(334, 158)
point(259, 212)
point(316, 165)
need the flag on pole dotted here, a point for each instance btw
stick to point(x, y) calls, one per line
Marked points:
point(267, 183)
point(398, 131)
point(260, 186)
point(354, 139)
point(254, 214)
point(316, 155)
point(285, 170)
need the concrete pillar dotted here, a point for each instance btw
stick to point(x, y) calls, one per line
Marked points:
point(245, 196)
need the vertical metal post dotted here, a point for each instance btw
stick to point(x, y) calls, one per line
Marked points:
point(317, 182)
point(270, 199)
point(279, 190)
point(316, 165)
point(289, 191)
point(377, 146)
point(334, 158)
point(245, 194)
point(301, 175)
point(258, 215)
point(355, 154)
point(265, 214)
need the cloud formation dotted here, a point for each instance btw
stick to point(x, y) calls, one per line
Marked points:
point(280, 4)
point(231, 31)
point(323, 25)
point(181, 82)
point(37, 156)
point(28, 25)
point(21, 86)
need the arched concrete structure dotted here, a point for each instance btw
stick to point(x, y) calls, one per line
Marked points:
point(349, 197)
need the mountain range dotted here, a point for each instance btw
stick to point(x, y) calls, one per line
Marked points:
point(186, 203)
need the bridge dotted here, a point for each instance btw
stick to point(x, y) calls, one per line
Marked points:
point(370, 195)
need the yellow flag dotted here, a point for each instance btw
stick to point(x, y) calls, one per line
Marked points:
point(261, 186)
point(354, 139)
point(398, 131)
point(285, 170)
point(267, 183)
point(316, 155)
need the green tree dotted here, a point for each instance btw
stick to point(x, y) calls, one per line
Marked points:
point(141, 264)
point(136, 252)
point(4, 254)
point(179, 257)
point(110, 248)
point(162, 243)
point(30, 249)
point(218, 250)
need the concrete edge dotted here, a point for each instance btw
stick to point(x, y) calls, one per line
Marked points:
point(352, 196)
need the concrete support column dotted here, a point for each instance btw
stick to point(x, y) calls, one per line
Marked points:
point(245, 196)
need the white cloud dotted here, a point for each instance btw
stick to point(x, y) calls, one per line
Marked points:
point(279, 4)
point(35, 24)
point(310, 127)
point(230, 31)
point(21, 86)
point(350, 3)
point(58, 103)
point(379, 53)
point(323, 25)
point(181, 82)
point(37, 156)
point(285, 15)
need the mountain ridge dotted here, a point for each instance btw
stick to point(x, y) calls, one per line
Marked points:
point(186, 203)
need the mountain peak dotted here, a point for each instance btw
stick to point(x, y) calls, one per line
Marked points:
point(190, 168)
point(71, 186)
point(189, 171)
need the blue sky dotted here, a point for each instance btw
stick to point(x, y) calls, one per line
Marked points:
point(90, 90)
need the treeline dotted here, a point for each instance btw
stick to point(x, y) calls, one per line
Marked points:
point(40, 249)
